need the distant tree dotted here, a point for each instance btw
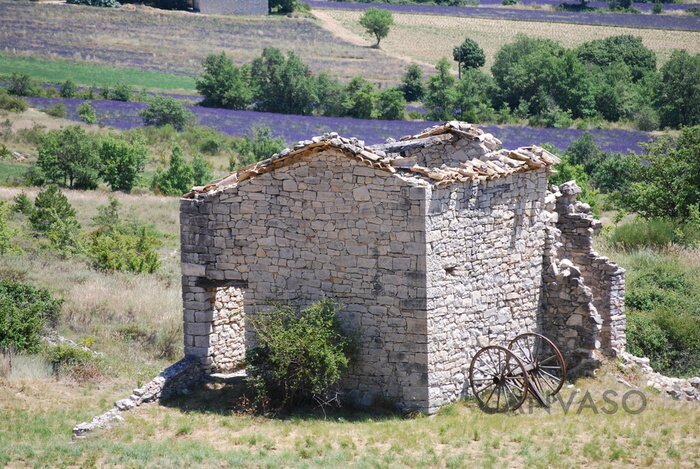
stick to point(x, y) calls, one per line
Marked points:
point(69, 157)
point(223, 84)
point(21, 85)
point(330, 95)
point(377, 22)
point(475, 93)
point(256, 146)
point(570, 86)
point(87, 113)
point(678, 91)
point(121, 92)
point(68, 89)
point(585, 152)
point(283, 84)
point(281, 6)
point(201, 171)
point(412, 83)
point(163, 110)
point(468, 55)
point(441, 96)
point(623, 48)
point(121, 162)
point(360, 98)
point(391, 104)
point(177, 179)
point(666, 184)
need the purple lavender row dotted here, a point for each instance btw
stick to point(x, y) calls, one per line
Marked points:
point(293, 128)
point(669, 22)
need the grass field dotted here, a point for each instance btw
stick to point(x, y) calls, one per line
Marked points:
point(38, 412)
point(92, 74)
point(152, 40)
point(427, 38)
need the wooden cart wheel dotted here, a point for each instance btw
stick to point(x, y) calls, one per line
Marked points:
point(498, 379)
point(545, 364)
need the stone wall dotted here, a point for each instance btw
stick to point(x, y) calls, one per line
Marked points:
point(485, 246)
point(325, 225)
point(583, 305)
point(227, 339)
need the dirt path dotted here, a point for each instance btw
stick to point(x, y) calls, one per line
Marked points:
point(341, 32)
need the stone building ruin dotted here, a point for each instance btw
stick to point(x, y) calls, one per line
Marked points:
point(436, 245)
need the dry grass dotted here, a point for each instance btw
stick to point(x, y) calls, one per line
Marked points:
point(427, 38)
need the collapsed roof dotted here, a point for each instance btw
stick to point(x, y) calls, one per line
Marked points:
point(390, 157)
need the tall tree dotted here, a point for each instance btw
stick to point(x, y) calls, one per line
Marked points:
point(412, 84)
point(223, 84)
point(441, 96)
point(377, 22)
point(678, 91)
point(283, 84)
point(68, 157)
point(468, 55)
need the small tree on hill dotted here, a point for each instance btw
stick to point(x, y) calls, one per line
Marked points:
point(122, 162)
point(468, 55)
point(441, 97)
point(377, 22)
point(177, 179)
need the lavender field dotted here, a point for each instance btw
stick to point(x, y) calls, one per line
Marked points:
point(176, 42)
point(292, 128)
point(666, 22)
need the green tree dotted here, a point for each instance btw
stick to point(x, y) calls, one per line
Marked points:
point(21, 85)
point(49, 205)
point(69, 157)
point(87, 113)
point(121, 92)
point(360, 98)
point(282, 6)
point(201, 171)
point(666, 184)
point(330, 95)
point(412, 84)
point(475, 93)
point(391, 104)
point(7, 246)
point(441, 95)
point(24, 312)
point(223, 84)
point(468, 55)
point(283, 85)
point(163, 110)
point(377, 23)
point(68, 89)
point(623, 48)
point(678, 91)
point(121, 162)
point(256, 146)
point(177, 179)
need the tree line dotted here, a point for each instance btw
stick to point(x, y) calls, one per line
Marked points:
point(536, 80)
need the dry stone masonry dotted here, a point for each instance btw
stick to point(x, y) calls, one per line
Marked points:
point(435, 245)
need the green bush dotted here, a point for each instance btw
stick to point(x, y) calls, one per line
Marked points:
point(115, 246)
point(177, 179)
point(81, 365)
point(122, 161)
point(87, 113)
point(23, 204)
point(656, 233)
point(301, 355)
point(663, 313)
point(12, 103)
point(57, 110)
point(256, 146)
point(24, 311)
point(68, 89)
point(21, 85)
point(163, 110)
point(54, 217)
point(7, 246)
point(69, 157)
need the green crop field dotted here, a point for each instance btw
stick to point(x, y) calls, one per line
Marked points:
point(92, 74)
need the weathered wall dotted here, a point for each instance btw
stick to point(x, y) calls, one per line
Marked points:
point(485, 246)
point(326, 226)
point(448, 150)
point(227, 338)
point(231, 7)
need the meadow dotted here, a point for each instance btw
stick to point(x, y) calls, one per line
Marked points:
point(432, 37)
point(176, 42)
point(134, 319)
